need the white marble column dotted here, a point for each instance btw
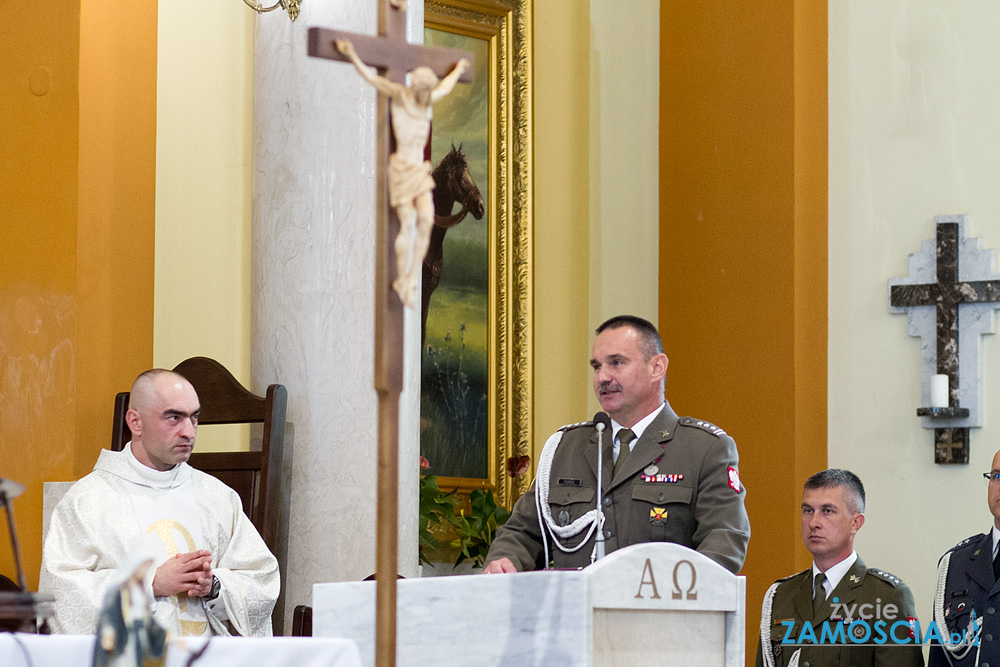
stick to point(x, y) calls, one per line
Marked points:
point(313, 297)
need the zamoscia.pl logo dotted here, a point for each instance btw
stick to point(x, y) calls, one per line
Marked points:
point(872, 625)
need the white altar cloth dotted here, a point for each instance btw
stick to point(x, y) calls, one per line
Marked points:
point(78, 651)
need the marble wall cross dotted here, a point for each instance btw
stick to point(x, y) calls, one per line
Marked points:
point(394, 57)
point(946, 291)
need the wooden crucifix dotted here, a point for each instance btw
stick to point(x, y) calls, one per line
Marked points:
point(394, 57)
point(946, 294)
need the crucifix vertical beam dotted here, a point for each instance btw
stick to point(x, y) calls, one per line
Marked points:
point(388, 366)
point(394, 57)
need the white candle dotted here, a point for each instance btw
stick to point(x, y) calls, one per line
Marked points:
point(939, 391)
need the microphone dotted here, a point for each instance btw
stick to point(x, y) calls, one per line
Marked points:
point(602, 422)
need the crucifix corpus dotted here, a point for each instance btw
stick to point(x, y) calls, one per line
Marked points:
point(410, 181)
point(407, 110)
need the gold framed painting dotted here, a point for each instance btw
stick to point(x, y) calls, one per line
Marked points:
point(476, 370)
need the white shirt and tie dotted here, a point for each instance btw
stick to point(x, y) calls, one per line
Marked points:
point(833, 575)
point(637, 429)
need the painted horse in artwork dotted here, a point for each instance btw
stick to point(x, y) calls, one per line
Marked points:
point(452, 183)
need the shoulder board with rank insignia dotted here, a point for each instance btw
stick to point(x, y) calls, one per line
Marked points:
point(792, 576)
point(567, 427)
point(967, 541)
point(703, 425)
point(885, 576)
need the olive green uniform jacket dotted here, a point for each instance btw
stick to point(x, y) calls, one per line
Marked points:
point(694, 497)
point(861, 585)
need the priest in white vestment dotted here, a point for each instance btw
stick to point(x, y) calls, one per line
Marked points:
point(214, 574)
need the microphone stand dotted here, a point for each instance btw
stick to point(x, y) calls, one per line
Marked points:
point(599, 541)
point(21, 611)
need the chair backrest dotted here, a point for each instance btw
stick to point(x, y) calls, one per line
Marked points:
point(302, 621)
point(254, 475)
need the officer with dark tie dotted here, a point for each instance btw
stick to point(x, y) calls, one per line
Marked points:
point(967, 602)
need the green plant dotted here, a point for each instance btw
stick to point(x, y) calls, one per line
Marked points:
point(477, 530)
point(437, 508)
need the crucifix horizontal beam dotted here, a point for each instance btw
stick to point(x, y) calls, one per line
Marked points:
point(384, 54)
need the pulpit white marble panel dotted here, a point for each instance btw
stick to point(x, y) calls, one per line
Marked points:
point(521, 619)
point(646, 604)
point(662, 576)
point(632, 638)
point(687, 602)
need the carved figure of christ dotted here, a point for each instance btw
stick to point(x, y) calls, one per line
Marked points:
point(410, 181)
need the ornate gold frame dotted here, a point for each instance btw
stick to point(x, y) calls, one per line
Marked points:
point(506, 24)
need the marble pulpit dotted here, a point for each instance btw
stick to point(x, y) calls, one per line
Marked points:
point(643, 605)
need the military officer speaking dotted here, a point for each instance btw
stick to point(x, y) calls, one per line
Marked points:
point(663, 477)
point(838, 612)
point(967, 602)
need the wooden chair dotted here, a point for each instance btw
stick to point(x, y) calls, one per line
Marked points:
point(302, 621)
point(254, 475)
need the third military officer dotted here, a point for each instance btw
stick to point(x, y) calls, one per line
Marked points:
point(838, 612)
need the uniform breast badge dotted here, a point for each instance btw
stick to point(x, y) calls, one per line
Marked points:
point(658, 516)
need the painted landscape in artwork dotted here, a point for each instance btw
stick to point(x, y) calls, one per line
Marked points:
point(454, 402)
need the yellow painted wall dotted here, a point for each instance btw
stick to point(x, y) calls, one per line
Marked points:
point(76, 214)
point(595, 178)
point(624, 178)
point(204, 190)
point(38, 208)
point(115, 231)
point(561, 241)
point(743, 250)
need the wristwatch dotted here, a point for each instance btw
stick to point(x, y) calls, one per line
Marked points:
point(216, 588)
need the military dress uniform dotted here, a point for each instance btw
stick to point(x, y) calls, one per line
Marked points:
point(966, 584)
point(680, 484)
point(793, 601)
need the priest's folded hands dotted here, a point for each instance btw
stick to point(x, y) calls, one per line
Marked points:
point(189, 573)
